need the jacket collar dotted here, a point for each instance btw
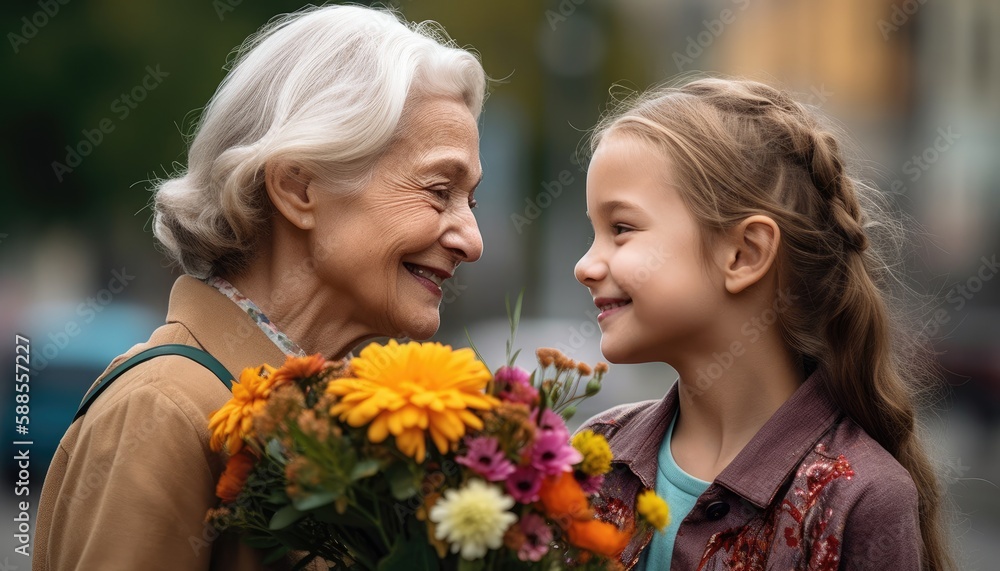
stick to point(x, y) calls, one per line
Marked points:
point(220, 326)
point(761, 469)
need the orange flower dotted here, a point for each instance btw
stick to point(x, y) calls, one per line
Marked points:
point(234, 421)
point(412, 390)
point(563, 498)
point(565, 502)
point(298, 368)
point(234, 477)
point(598, 537)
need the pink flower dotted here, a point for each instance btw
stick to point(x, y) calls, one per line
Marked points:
point(537, 536)
point(523, 485)
point(485, 458)
point(516, 385)
point(552, 454)
point(589, 484)
point(551, 423)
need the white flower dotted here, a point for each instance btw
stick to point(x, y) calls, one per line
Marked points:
point(473, 519)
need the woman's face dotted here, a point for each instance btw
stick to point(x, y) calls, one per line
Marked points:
point(405, 232)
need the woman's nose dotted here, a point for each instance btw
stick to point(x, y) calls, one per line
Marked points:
point(463, 237)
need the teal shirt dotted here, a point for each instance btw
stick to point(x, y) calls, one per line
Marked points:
point(681, 491)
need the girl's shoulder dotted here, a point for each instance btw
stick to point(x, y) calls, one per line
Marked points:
point(875, 476)
point(609, 421)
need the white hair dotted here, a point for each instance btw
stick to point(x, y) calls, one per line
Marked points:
point(324, 87)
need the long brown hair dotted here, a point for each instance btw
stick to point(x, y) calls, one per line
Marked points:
point(741, 148)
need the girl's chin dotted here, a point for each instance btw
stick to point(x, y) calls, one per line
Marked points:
point(614, 354)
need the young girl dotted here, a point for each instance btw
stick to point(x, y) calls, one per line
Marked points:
point(731, 243)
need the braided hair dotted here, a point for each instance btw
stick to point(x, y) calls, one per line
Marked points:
point(742, 148)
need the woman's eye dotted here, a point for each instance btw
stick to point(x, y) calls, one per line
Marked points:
point(473, 203)
point(439, 192)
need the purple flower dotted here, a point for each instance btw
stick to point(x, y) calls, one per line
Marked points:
point(485, 458)
point(537, 536)
point(516, 385)
point(552, 454)
point(589, 484)
point(523, 485)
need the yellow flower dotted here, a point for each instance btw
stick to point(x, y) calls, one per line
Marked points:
point(410, 390)
point(653, 509)
point(595, 451)
point(234, 421)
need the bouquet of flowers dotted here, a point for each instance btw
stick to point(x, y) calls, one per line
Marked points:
point(416, 456)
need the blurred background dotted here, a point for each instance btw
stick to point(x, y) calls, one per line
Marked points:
point(98, 97)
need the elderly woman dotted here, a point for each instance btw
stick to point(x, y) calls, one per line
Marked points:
point(328, 194)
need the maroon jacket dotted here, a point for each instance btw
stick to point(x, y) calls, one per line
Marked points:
point(810, 491)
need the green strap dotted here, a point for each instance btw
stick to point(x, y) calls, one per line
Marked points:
point(193, 353)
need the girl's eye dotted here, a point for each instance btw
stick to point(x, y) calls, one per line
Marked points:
point(618, 229)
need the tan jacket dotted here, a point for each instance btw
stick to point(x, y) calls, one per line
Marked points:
point(131, 481)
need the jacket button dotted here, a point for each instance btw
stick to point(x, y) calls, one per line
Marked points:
point(717, 510)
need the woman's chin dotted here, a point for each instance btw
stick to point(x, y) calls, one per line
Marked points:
point(421, 327)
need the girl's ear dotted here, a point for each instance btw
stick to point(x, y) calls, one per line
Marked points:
point(749, 252)
point(290, 190)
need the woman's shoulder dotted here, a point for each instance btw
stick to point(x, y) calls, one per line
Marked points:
point(167, 380)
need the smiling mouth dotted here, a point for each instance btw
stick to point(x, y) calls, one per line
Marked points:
point(426, 273)
point(609, 306)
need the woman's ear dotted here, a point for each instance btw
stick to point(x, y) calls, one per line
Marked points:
point(750, 251)
point(291, 192)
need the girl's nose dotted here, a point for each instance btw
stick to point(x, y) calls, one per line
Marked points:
point(589, 270)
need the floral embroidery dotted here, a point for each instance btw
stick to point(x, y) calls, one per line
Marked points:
point(227, 289)
point(748, 547)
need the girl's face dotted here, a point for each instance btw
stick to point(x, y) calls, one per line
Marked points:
point(644, 269)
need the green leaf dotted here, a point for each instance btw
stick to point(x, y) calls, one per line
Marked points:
point(474, 565)
point(274, 450)
point(277, 496)
point(413, 553)
point(313, 501)
point(285, 517)
point(517, 313)
point(364, 469)
point(350, 518)
point(275, 555)
point(474, 349)
point(402, 482)
point(260, 541)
